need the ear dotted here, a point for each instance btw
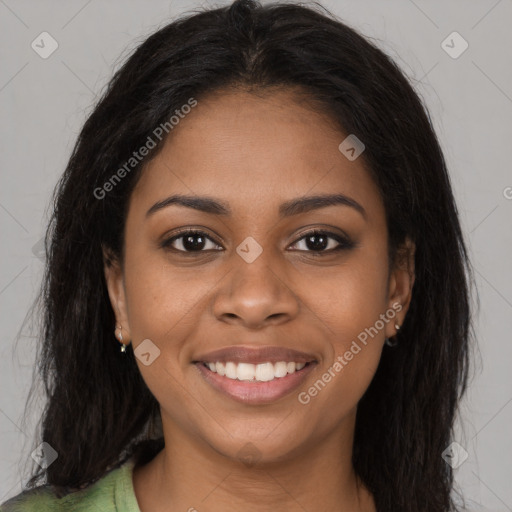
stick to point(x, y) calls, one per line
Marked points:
point(116, 291)
point(401, 282)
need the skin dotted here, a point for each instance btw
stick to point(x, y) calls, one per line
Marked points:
point(255, 152)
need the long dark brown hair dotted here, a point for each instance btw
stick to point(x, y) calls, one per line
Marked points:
point(98, 410)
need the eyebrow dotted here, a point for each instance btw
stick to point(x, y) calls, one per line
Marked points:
point(297, 206)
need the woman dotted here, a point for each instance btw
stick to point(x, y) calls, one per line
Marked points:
point(257, 288)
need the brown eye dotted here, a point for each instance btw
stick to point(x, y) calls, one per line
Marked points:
point(324, 241)
point(190, 241)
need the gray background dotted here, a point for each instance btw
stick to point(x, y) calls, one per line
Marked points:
point(44, 102)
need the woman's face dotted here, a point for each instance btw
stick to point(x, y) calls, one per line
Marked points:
point(255, 284)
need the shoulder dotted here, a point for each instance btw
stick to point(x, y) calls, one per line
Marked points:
point(108, 494)
point(40, 499)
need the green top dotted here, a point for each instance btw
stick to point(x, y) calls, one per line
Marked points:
point(111, 493)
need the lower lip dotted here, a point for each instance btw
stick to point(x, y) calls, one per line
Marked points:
point(251, 392)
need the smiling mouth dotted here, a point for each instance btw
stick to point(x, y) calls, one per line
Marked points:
point(255, 384)
point(248, 372)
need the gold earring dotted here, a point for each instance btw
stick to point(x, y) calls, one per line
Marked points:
point(120, 338)
point(393, 342)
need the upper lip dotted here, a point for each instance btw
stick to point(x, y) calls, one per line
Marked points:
point(240, 354)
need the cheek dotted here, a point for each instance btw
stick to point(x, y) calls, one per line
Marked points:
point(164, 304)
point(348, 298)
point(163, 301)
point(356, 337)
point(350, 302)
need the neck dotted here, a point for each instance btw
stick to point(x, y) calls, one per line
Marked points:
point(189, 476)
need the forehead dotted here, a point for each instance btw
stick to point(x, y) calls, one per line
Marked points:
point(254, 151)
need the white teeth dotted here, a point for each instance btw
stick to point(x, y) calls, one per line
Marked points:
point(263, 372)
point(245, 371)
point(221, 369)
point(280, 369)
point(231, 370)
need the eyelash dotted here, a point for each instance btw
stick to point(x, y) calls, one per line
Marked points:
point(344, 243)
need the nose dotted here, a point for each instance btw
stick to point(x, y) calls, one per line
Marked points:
point(255, 295)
